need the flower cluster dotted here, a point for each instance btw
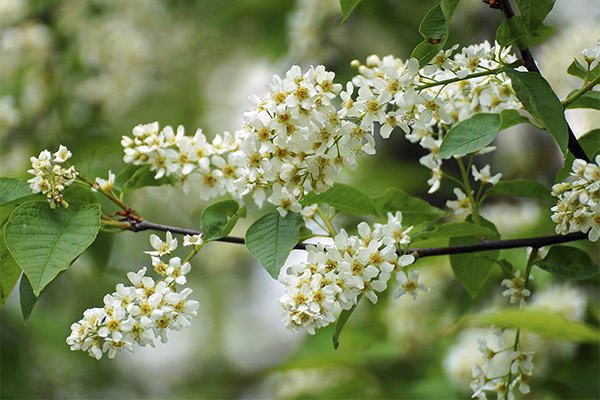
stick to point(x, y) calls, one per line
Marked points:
point(140, 313)
point(335, 276)
point(504, 371)
point(50, 178)
point(578, 206)
point(395, 93)
point(516, 289)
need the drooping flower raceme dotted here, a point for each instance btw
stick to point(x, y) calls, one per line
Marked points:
point(578, 206)
point(137, 314)
point(50, 178)
point(335, 276)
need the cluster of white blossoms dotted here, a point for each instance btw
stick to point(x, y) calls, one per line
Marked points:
point(504, 370)
point(307, 128)
point(335, 276)
point(50, 178)
point(140, 313)
point(395, 93)
point(578, 207)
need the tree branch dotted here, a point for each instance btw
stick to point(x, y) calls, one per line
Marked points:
point(529, 63)
point(485, 245)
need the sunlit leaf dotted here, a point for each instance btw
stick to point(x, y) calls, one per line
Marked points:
point(45, 241)
point(524, 187)
point(513, 32)
point(534, 12)
point(543, 322)
point(271, 238)
point(218, 219)
point(344, 198)
point(541, 102)
point(470, 135)
point(414, 210)
point(568, 263)
point(347, 7)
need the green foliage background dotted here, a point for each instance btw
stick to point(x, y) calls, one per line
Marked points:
point(236, 347)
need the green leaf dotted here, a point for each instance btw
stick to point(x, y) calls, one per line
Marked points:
point(568, 263)
point(541, 102)
point(414, 210)
point(434, 28)
point(27, 299)
point(45, 241)
point(590, 142)
point(589, 99)
point(454, 229)
point(9, 271)
point(271, 238)
point(473, 269)
point(506, 266)
point(526, 188)
point(80, 194)
point(305, 233)
point(343, 198)
point(513, 32)
point(12, 188)
point(347, 7)
point(8, 207)
point(534, 12)
point(576, 69)
point(470, 135)
point(510, 118)
point(139, 176)
point(543, 322)
point(341, 321)
point(218, 219)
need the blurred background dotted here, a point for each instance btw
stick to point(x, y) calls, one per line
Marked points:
point(82, 73)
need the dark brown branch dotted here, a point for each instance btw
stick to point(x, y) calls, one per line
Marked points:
point(529, 63)
point(536, 242)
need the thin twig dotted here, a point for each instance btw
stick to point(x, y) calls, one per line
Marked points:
point(485, 245)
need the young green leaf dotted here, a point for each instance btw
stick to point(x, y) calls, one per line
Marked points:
point(347, 6)
point(568, 263)
point(539, 99)
point(27, 298)
point(534, 12)
point(590, 143)
point(79, 194)
point(576, 69)
point(589, 99)
point(9, 271)
point(138, 176)
point(510, 118)
point(454, 229)
point(341, 321)
point(12, 188)
point(526, 188)
point(218, 219)
point(470, 135)
point(513, 32)
point(543, 322)
point(473, 269)
point(414, 210)
point(271, 238)
point(434, 28)
point(45, 241)
point(344, 198)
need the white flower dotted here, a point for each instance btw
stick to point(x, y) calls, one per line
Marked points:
point(485, 176)
point(516, 289)
point(162, 248)
point(461, 205)
point(192, 240)
point(62, 155)
point(104, 184)
point(409, 284)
